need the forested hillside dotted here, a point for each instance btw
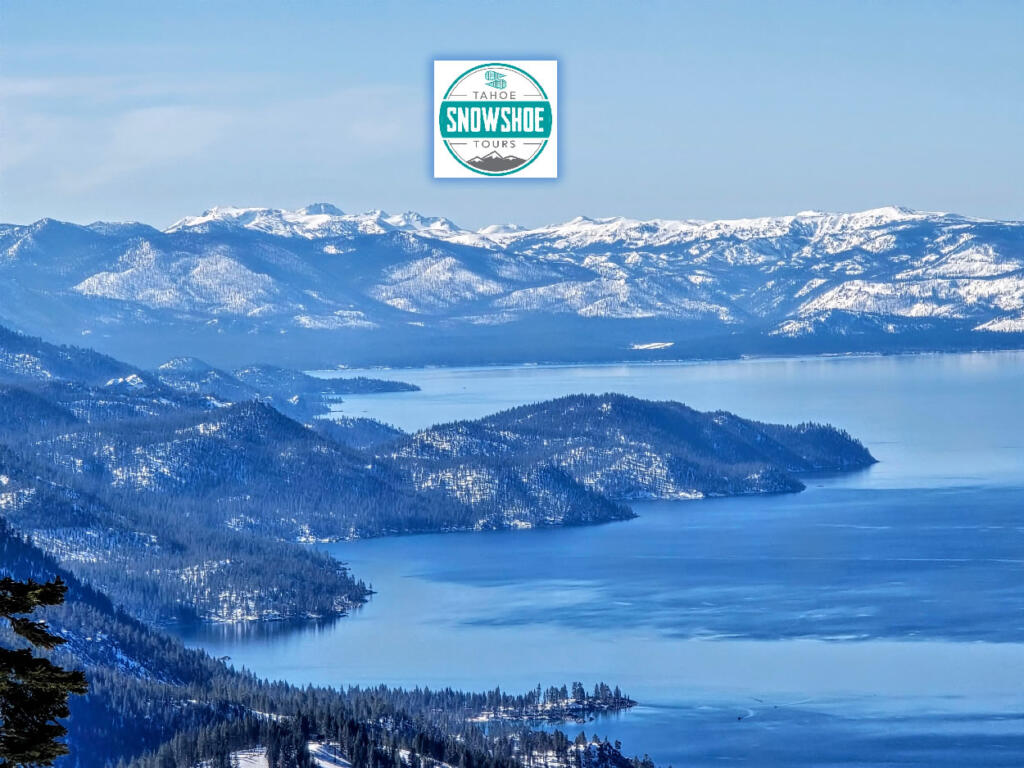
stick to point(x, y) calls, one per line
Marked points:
point(182, 504)
point(297, 394)
point(162, 570)
point(156, 704)
point(624, 448)
point(155, 551)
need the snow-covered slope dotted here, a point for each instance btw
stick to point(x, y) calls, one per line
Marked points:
point(314, 221)
point(922, 279)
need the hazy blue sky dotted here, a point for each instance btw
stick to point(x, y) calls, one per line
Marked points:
point(153, 111)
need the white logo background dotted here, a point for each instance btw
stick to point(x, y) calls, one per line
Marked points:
point(545, 166)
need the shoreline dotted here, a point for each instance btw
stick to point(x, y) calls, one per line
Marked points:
point(345, 371)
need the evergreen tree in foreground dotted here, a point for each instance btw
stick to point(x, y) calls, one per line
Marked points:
point(33, 691)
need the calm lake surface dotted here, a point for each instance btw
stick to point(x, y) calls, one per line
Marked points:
point(877, 618)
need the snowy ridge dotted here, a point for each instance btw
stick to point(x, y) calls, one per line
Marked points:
point(314, 221)
point(325, 220)
point(887, 271)
point(942, 283)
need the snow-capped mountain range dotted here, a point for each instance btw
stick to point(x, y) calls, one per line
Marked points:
point(330, 287)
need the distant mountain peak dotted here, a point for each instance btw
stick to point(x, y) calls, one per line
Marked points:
point(500, 229)
point(322, 209)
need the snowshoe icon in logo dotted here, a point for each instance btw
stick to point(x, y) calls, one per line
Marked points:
point(495, 119)
point(494, 79)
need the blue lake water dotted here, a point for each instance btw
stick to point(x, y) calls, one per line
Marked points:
point(877, 618)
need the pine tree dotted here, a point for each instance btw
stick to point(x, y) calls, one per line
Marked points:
point(33, 691)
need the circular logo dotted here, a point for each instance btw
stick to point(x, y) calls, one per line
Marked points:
point(495, 119)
